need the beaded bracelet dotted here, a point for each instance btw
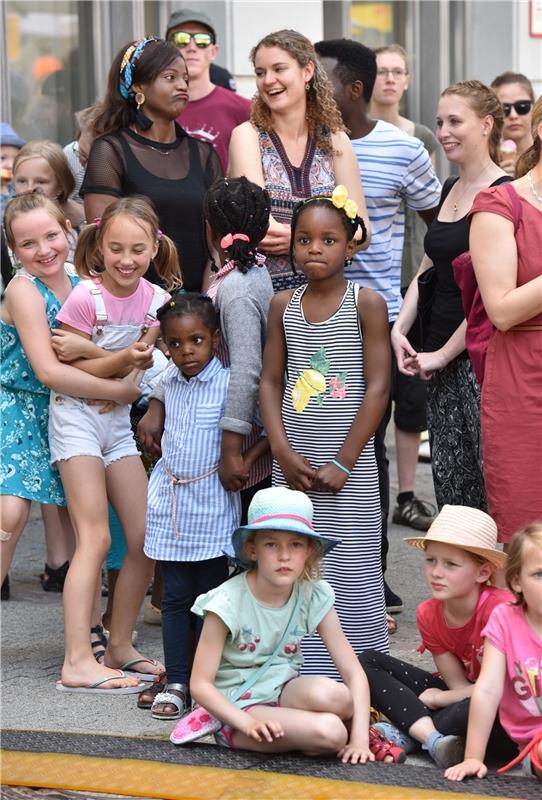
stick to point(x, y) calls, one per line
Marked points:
point(340, 466)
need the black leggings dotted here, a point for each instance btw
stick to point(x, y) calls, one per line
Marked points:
point(395, 689)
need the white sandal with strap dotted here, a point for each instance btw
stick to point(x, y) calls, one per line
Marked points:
point(168, 698)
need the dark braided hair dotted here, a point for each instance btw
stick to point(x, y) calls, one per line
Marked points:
point(183, 303)
point(235, 205)
point(350, 225)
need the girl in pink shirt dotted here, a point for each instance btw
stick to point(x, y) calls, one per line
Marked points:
point(112, 307)
point(511, 675)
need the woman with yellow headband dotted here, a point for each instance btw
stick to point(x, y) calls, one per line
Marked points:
point(295, 144)
point(330, 338)
point(139, 149)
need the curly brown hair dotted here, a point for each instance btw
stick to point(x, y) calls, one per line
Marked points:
point(322, 113)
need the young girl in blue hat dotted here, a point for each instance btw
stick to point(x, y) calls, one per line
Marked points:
point(248, 660)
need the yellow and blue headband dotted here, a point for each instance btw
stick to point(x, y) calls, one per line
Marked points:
point(129, 60)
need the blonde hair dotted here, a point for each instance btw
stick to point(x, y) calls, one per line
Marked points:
point(88, 251)
point(530, 535)
point(531, 156)
point(393, 48)
point(32, 201)
point(485, 103)
point(322, 113)
point(56, 158)
point(311, 570)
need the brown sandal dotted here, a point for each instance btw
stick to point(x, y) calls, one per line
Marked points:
point(145, 698)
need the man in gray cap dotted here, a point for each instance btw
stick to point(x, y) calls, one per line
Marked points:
point(212, 111)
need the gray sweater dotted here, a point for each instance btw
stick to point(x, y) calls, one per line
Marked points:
point(243, 303)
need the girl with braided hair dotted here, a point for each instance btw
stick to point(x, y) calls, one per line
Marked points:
point(295, 144)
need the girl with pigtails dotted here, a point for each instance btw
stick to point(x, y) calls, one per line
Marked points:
point(93, 447)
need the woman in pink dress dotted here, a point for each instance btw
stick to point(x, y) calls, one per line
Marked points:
point(508, 265)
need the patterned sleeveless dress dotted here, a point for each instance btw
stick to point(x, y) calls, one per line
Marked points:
point(286, 186)
point(325, 387)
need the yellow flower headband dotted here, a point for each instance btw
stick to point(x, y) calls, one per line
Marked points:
point(340, 199)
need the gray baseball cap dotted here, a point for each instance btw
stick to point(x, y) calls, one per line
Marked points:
point(189, 15)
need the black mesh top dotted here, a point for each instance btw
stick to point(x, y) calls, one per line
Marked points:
point(173, 176)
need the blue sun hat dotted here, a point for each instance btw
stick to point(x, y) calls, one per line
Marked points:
point(279, 509)
point(9, 137)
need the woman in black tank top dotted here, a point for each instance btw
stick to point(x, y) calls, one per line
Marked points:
point(141, 150)
point(469, 125)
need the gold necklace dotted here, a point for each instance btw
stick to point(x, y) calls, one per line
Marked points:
point(531, 186)
point(455, 204)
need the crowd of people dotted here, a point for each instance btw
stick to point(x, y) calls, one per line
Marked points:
point(202, 346)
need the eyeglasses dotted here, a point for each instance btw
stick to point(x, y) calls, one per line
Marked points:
point(182, 39)
point(397, 73)
point(521, 107)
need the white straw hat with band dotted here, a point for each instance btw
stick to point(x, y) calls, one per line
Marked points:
point(279, 509)
point(467, 528)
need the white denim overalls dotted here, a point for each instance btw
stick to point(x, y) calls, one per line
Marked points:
point(77, 428)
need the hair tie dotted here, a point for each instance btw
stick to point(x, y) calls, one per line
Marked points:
point(230, 238)
point(159, 235)
point(129, 60)
point(97, 221)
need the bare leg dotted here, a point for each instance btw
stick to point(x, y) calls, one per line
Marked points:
point(312, 732)
point(318, 694)
point(422, 729)
point(14, 513)
point(136, 571)
point(84, 483)
point(59, 535)
point(407, 445)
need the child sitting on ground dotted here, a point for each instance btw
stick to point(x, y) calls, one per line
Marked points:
point(460, 558)
point(247, 665)
point(510, 678)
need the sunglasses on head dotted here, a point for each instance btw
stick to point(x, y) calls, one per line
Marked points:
point(521, 107)
point(182, 39)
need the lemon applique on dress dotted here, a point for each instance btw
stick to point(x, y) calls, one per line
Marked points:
point(312, 383)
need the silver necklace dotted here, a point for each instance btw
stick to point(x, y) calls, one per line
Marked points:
point(156, 149)
point(531, 186)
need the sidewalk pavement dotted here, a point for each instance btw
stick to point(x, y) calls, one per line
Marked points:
point(32, 642)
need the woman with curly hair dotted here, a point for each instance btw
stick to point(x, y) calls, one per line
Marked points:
point(295, 144)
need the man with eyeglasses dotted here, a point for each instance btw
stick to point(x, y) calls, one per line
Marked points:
point(212, 111)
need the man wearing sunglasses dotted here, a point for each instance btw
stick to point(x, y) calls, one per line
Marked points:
point(212, 111)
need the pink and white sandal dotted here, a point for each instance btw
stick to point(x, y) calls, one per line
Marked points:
point(194, 725)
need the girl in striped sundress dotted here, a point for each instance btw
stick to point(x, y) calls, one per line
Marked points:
point(331, 340)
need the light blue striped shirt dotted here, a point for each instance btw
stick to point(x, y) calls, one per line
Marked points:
point(193, 521)
point(394, 168)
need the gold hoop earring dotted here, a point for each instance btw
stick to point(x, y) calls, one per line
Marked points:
point(140, 99)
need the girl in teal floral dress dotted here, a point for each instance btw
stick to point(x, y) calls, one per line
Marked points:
point(37, 233)
point(330, 339)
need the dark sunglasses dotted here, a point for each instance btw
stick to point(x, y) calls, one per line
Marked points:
point(521, 107)
point(182, 39)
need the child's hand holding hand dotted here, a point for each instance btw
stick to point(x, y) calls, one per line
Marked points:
point(329, 478)
point(356, 752)
point(470, 767)
point(139, 355)
point(432, 698)
point(232, 471)
point(263, 729)
point(70, 346)
point(297, 471)
point(151, 427)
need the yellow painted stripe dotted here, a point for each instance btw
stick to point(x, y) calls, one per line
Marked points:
point(180, 782)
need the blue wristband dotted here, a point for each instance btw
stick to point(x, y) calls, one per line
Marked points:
point(340, 466)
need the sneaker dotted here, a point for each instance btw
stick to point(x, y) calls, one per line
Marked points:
point(194, 725)
point(396, 736)
point(394, 604)
point(414, 513)
point(446, 751)
point(152, 615)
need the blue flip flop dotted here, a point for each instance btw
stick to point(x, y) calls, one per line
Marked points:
point(96, 688)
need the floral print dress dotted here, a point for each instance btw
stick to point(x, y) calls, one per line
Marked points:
point(24, 413)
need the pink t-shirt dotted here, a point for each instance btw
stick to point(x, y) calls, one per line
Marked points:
point(213, 117)
point(520, 710)
point(79, 310)
point(466, 642)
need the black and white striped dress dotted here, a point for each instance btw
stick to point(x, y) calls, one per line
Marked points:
point(324, 390)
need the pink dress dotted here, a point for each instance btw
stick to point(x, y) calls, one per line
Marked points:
point(511, 411)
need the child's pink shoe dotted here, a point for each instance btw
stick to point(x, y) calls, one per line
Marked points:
point(194, 725)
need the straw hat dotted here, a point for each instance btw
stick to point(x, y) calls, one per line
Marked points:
point(279, 509)
point(467, 528)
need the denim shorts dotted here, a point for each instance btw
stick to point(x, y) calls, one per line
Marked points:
point(78, 429)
